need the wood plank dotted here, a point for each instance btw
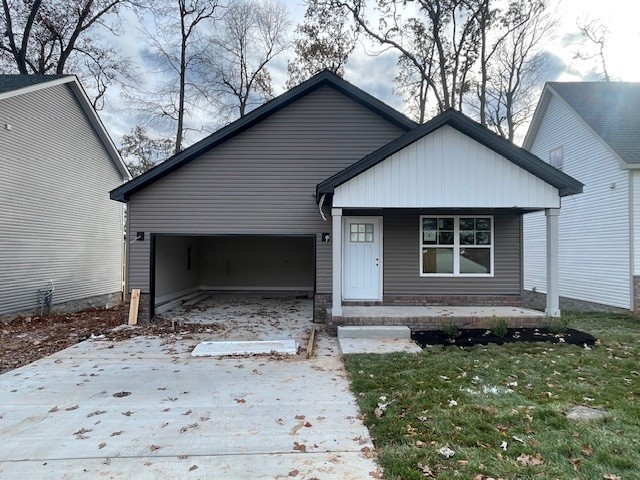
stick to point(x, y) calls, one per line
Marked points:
point(312, 341)
point(133, 308)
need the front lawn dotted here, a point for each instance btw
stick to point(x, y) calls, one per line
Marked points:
point(500, 408)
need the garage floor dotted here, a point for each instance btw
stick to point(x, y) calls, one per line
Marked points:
point(252, 316)
point(144, 408)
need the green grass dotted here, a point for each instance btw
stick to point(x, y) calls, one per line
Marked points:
point(419, 420)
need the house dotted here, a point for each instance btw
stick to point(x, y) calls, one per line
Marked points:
point(328, 190)
point(61, 238)
point(589, 130)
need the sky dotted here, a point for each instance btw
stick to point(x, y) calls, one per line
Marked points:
point(374, 73)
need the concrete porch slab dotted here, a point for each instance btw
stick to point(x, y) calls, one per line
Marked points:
point(438, 311)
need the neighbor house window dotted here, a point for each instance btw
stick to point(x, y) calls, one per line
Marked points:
point(456, 245)
point(556, 158)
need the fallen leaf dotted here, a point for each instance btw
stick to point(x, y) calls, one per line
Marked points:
point(192, 468)
point(154, 448)
point(426, 471)
point(378, 412)
point(128, 413)
point(366, 451)
point(240, 400)
point(575, 463)
point(587, 450)
point(188, 412)
point(71, 408)
point(308, 425)
point(611, 476)
point(82, 431)
point(530, 460)
point(301, 447)
point(293, 473)
point(115, 434)
point(300, 417)
point(54, 409)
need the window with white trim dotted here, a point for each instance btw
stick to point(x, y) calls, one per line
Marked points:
point(456, 245)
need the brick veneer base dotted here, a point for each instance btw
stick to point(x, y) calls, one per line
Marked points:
point(144, 307)
point(430, 323)
point(323, 302)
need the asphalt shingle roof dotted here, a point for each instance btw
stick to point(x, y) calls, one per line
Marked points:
point(9, 83)
point(611, 109)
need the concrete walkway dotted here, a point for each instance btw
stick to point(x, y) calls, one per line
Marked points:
point(143, 408)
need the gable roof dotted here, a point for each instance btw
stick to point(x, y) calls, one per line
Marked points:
point(325, 78)
point(610, 109)
point(9, 83)
point(14, 85)
point(565, 184)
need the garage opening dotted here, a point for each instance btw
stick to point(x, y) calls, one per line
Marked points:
point(185, 265)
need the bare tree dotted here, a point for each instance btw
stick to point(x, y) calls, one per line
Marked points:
point(59, 37)
point(142, 152)
point(411, 83)
point(451, 25)
point(595, 33)
point(324, 41)
point(178, 48)
point(252, 34)
point(515, 75)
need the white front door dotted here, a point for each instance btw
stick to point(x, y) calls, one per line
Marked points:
point(362, 258)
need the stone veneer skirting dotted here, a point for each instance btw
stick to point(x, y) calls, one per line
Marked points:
point(323, 302)
point(538, 301)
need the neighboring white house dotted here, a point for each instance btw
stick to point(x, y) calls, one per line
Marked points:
point(58, 229)
point(590, 130)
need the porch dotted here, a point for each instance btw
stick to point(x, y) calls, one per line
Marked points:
point(435, 317)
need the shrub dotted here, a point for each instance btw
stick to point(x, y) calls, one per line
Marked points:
point(451, 330)
point(499, 326)
point(558, 324)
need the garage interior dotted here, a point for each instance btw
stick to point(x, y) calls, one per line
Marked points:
point(184, 265)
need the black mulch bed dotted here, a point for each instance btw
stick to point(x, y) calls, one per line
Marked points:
point(471, 337)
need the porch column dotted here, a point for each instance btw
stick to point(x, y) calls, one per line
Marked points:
point(336, 242)
point(553, 276)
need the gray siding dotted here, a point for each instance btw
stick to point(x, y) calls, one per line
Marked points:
point(261, 181)
point(56, 220)
point(401, 260)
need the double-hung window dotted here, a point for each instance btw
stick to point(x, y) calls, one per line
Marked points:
point(456, 245)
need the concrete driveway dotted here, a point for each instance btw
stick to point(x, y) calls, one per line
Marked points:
point(143, 408)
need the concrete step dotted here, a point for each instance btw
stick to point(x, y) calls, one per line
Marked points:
point(388, 332)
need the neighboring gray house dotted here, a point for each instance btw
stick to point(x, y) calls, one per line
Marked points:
point(58, 229)
point(328, 190)
point(590, 130)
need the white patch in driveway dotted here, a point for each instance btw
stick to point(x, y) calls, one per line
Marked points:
point(256, 347)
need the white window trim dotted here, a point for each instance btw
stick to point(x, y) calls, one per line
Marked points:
point(456, 247)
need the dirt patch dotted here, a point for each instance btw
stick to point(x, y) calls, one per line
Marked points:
point(471, 337)
point(28, 339)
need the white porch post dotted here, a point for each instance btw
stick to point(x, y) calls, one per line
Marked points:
point(336, 242)
point(553, 275)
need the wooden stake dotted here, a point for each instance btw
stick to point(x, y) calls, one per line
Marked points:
point(133, 308)
point(310, 344)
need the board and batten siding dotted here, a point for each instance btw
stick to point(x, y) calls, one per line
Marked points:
point(446, 169)
point(56, 219)
point(402, 259)
point(594, 226)
point(262, 181)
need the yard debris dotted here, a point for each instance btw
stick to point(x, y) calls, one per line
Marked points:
point(504, 446)
point(121, 394)
point(153, 448)
point(611, 476)
point(193, 467)
point(300, 447)
point(294, 473)
point(453, 403)
point(446, 452)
